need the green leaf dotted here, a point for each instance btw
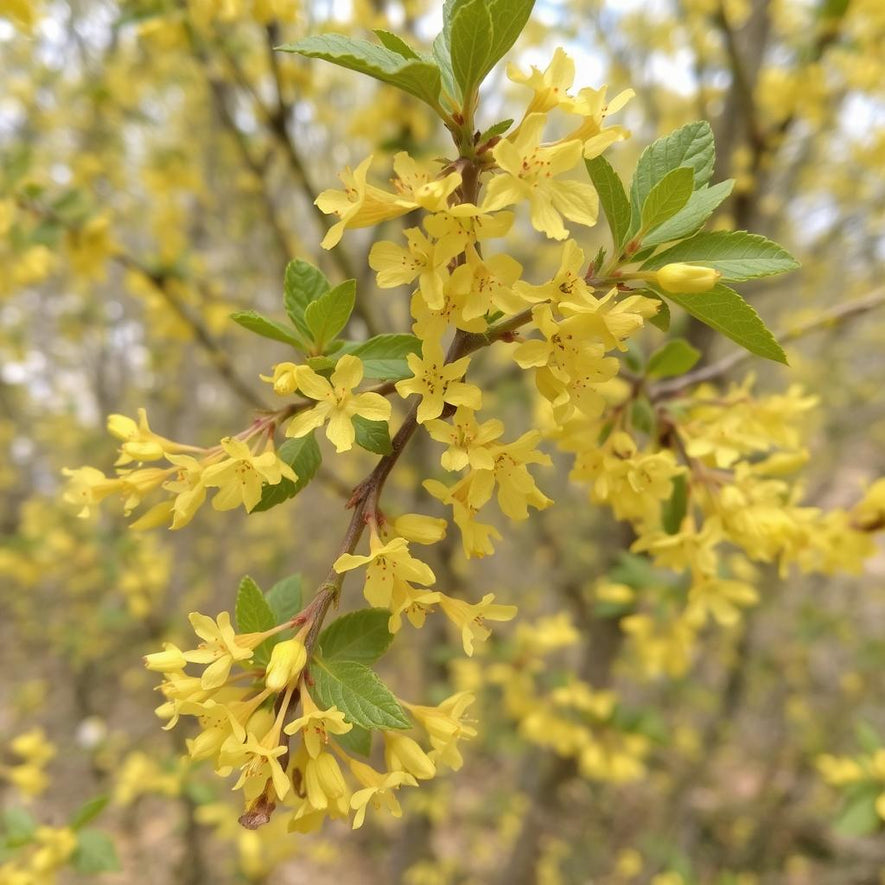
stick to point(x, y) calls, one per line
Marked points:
point(304, 457)
point(667, 197)
point(416, 76)
point(509, 17)
point(384, 356)
point(661, 320)
point(358, 740)
point(642, 415)
point(303, 284)
point(673, 510)
point(737, 255)
point(373, 436)
point(358, 636)
point(358, 692)
point(395, 44)
point(700, 206)
point(674, 358)
point(725, 311)
point(329, 314)
point(88, 811)
point(470, 43)
point(692, 145)
point(261, 325)
point(612, 196)
point(18, 826)
point(858, 816)
point(284, 599)
point(254, 616)
point(442, 55)
point(495, 129)
point(95, 853)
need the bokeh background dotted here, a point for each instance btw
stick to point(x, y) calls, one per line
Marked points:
point(158, 165)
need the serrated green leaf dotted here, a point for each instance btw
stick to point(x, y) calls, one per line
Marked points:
point(373, 436)
point(358, 636)
point(329, 314)
point(358, 692)
point(674, 358)
point(395, 44)
point(858, 816)
point(737, 255)
point(254, 616)
point(612, 196)
point(88, 811)
point(498, 128)
point(384, 356)
point(284, 599)
point(253, 612)
point(442, 55)
point(267, 328)
point(304, 457)
point(725, 311)
point(700, 206)
point(358, 740)
point(95, 853)
point(692, 145)
point(673, 510)
point(509, 17)
point(470, 44)
point(667, 197)
point(418, 77)
point(303, 284)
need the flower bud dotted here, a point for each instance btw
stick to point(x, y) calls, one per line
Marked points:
point(170, 660)
point(687, 278)
point(286, 661)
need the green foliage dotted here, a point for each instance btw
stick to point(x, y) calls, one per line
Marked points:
point(471, 43)
point(737, 255)
point(95, 853)
point(328, 315)
point(18, 826)
point(373, 436)
point(285, 599)
point(700, 206)
point(858, 816)
point(417, 76)
point(303, 284)
point(304, 457)
point(384, 356)
point(612, 196)
point(673, 510)
point(358, 692)
point(725, 311)
point(267, 328)
point(666, 198)
point(691, 146)
point(674, 358)
point(88, 811)
point(358, 636)
point(254, 615)
point(358, 740)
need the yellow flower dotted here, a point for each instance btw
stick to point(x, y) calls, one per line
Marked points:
point(239, 477)
point(425, 259)
point(437, 382)
point(387, 564)
point(686, 278)
point(468, 442)
point(86, 487)
point(220, 647)
point(323, 780)
point(287, 660)
point(140, 443)
point(337, 403)
point(359, 204)
point(550, 86)
point(402, 753)
point(378, 789)
point(471, 618)
point(419, 187)
point(445, 726)
point(285, 378)
point(465, 498)
point(315, 725)
point(528, 174)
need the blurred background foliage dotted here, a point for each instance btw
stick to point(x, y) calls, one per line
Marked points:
point(158, 165)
